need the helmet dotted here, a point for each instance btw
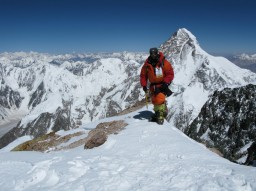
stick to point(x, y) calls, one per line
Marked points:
point(153, 52)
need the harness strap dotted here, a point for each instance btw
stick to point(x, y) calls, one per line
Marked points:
point(153, 84)
point(162, 65)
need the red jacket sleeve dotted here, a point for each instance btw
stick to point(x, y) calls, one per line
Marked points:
point(143, 75)
point(168, 72)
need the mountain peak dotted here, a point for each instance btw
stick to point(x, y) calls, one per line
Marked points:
point(181, 41)
point(197, 75)
point(184, 32)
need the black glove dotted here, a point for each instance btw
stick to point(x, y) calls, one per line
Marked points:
point(157, 90)
point(145, 89)
point(164, 87)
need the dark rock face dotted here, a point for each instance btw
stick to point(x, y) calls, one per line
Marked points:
point(227, 121)
point(113, 108)
point(251, 158)
point(9, 98)
point(37, 96)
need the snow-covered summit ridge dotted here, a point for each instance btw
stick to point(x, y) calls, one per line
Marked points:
point(144, 156)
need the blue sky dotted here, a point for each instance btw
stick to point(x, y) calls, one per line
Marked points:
point(66, 26)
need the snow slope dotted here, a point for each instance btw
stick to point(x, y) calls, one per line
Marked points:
point(144, 156)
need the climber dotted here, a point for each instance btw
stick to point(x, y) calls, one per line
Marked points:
point(159, 72)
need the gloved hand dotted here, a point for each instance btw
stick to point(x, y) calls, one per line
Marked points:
point(145, 89)
point(164, 87)
point(157, 90)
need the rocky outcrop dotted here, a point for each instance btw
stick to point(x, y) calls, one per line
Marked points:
point(54, 142)
point(227, 121)
point(98, 136)
point(95, 139)
point(48, 142)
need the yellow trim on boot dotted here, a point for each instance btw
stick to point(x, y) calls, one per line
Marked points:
point(159, 107)
point(160, 110)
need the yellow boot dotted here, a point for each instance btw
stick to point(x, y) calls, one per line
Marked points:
point(160, 113)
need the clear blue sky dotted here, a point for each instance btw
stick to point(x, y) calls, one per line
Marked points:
point(66, 26)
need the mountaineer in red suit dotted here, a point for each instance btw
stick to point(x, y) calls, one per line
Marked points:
point(159, 73)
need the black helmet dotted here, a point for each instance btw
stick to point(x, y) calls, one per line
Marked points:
point(153, 53)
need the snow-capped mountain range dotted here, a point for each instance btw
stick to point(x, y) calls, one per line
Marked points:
point(248, 57)
point(53, 92)
point(247, 61)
